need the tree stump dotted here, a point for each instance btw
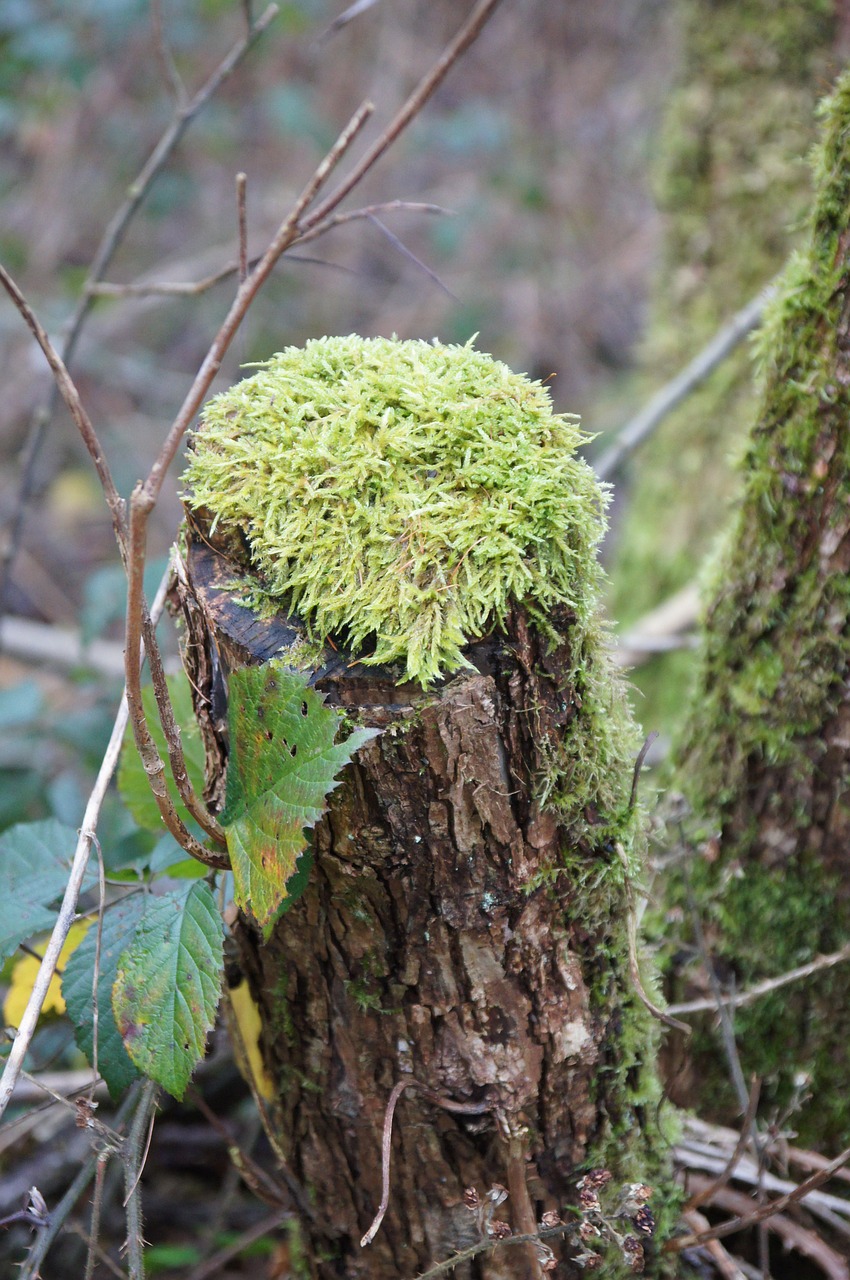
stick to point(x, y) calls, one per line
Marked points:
point(463, 933)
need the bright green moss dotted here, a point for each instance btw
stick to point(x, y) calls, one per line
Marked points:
point(401, 493)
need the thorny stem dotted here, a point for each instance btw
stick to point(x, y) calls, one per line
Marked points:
point(153, 765)
point(96, 1207)
point(466, 1255)
point(134, 1155)
point(110, 241)
point(31, 1268)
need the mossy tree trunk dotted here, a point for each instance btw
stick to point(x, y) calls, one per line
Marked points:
point(766, 754)
point(733, 186)
point(453, 932)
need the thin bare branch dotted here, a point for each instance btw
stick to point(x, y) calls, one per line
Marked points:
point(740, 1147)
point(427, 86)
point(760, 989)
point(461, 1108)
point(725, 1265)
point(213, 1266)
point(192, 288)
point(639, 428)
point(402, 248)
point(242, 224)
point(342, 20)
point(166, 59)
point(282, 239)
point(634, 965)
point(466, 1255)
point(71, 396)
point(110, 240)
point(761, 1212)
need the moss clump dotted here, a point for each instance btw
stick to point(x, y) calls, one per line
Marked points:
point(402, 494)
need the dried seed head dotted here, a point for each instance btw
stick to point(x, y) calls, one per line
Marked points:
point(596, 1178)
point(587, 1231)
point(498, 1230)
point(551, 1218)
point(471, 1198)
point(497, 1194)
point(644, 1221)
point(633, 1254)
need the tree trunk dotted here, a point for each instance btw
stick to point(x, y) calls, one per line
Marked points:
point(734, 189)
point(766, 757)
point(455, 933)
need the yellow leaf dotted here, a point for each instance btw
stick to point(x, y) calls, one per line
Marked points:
point(250, 1059)
point(24, 974)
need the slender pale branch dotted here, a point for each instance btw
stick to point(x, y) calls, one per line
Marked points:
point(761, 1212)
point(763, 988)
point(670, 396)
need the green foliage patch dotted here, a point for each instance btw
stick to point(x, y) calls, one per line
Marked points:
point(402, 493)
point(168, 982)
point(283, 765)
point(35, 858)
point(119, 925)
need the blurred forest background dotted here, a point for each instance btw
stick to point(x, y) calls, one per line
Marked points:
point(618, 179)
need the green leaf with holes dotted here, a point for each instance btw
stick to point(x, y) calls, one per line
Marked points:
point(120, 922)
point(167, 985)
point(284, 763)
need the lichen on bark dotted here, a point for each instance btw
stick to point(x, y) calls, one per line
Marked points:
point(465, 922)
point(765, 755)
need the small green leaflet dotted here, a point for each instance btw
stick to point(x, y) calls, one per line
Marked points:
point(119, 925)
point(168, 982)
point(35, 858)
point(283, 764)
point(133, 781)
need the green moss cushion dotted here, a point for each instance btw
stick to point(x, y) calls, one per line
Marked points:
point(401, 492)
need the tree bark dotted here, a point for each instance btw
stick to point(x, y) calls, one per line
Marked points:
point(454, 933)
point(766, 755)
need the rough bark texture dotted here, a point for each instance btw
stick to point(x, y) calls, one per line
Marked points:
point(443, 938)
point(767, 750)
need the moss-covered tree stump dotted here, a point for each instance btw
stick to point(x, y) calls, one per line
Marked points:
point(410, 523)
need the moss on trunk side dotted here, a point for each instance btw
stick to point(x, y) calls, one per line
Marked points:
point(766, 750)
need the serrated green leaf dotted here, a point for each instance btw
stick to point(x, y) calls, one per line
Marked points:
point(283, 764)
point(35, 858)
point(168, 984)
point(119, 925)
point(132, 779)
